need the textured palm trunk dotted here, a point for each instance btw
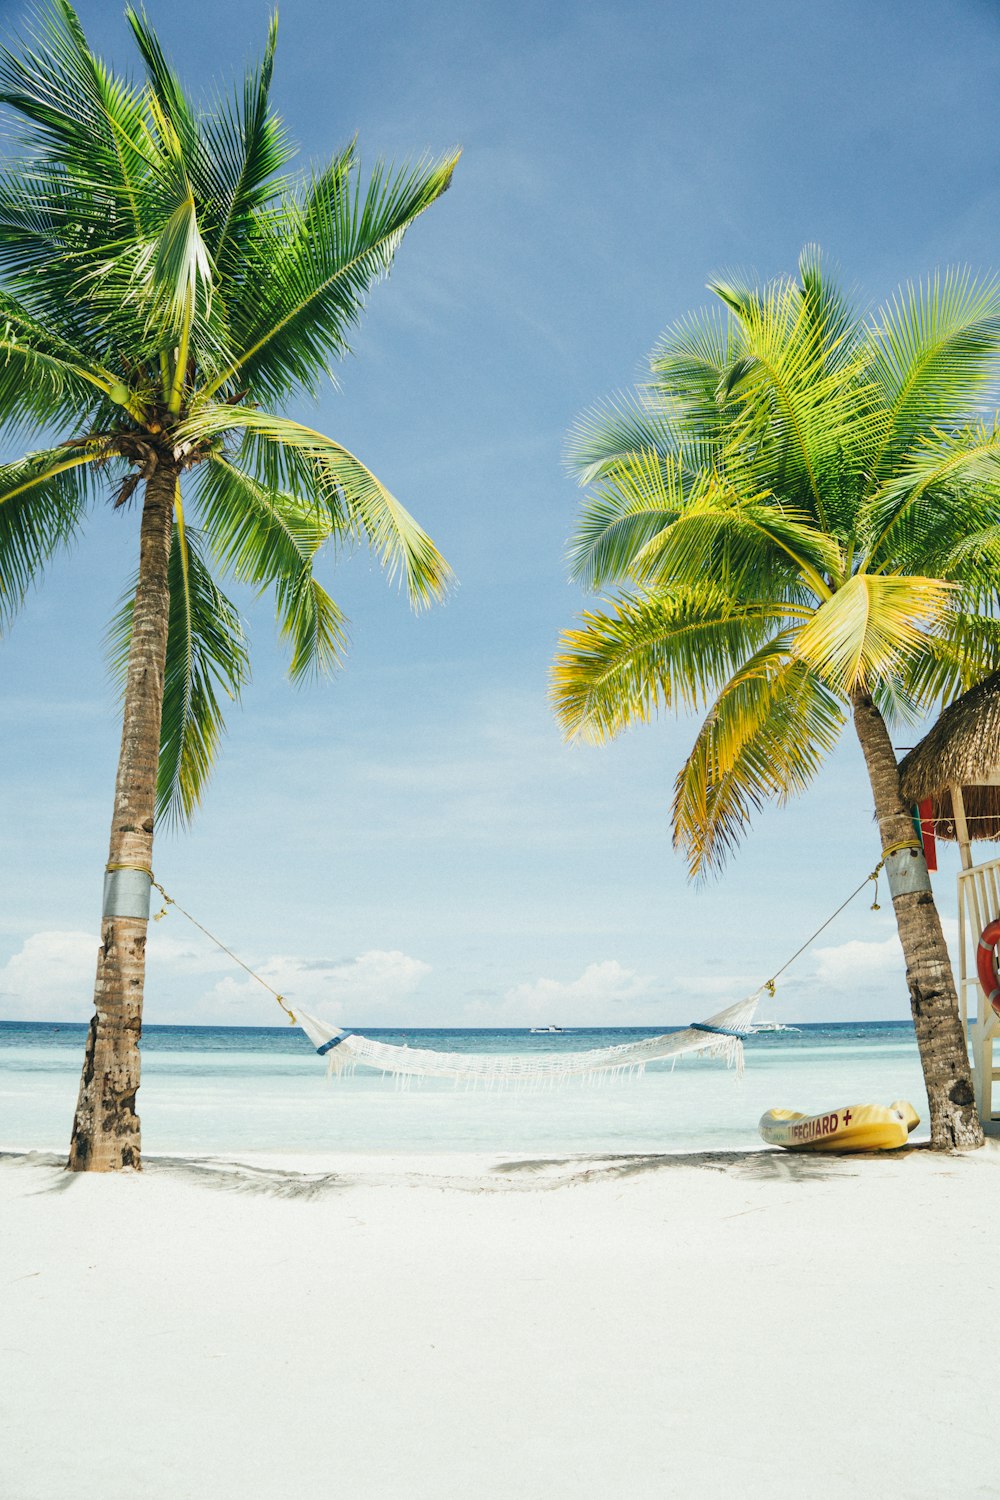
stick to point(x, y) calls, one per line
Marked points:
point(106, 1134)
point(933, 998)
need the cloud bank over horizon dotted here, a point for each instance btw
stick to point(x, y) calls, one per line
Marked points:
point(50, 978)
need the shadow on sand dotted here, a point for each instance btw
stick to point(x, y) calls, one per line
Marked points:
point(525, 1174)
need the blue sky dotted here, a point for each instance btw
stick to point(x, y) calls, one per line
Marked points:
point(412, 843)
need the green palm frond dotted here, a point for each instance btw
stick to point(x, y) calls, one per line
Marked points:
point(972, 559)
point(88, 190)
point(181, 269)
point(652, 651)
point(831, 320)
point(87, 121)
point(868, 628)
point(610, 437)
point(765, 738)
point(623, 515)
point(932, 359)
point(749, 545)
point(797, 408)
point(165, 86)
point(270, 539)
point(37, 385)
point(937, 536)
point(287, 456)
point(245, 150)
point(232, 155)
point(969, 458)
point(43, 502)
point(46, 377)
point(966, 650)
point(689, 367)
point(207, 663)
point(320, 263)
point(159, 288)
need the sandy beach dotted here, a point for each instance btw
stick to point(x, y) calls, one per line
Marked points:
point(431, 1328)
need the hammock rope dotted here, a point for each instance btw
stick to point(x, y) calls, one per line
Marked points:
point(168, 902)
point(721, 1035)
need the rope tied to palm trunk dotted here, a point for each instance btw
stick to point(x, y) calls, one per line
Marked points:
point(168, 902)
point(721, 1035)
point(892, 849)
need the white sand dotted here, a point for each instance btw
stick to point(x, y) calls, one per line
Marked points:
point(442, 1330)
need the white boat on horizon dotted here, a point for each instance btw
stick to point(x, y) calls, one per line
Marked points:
point(772, 1026)
point(548, 1031)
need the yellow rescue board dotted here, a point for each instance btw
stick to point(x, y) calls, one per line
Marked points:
point(857, 1127)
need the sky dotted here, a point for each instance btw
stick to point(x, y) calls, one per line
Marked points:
point(412, 843)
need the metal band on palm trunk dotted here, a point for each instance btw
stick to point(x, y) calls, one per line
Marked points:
point(906, 870)
point(126, 892)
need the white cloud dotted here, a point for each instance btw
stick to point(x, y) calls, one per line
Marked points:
point(51, 978)
point(367, 989)
point(596, 997)
point(851, 965)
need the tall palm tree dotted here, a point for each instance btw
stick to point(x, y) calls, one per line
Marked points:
point(800, 518)
point(166, 287)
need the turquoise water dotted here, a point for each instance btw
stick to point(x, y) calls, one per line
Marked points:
point(257, 1089)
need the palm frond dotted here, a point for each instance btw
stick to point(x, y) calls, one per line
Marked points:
point(798, 410)
point(749, 544)
point(969, 459)
point(42, 378)
point(315, 264)
point(287, 456)
point(232, 154)
point(165, 86)
point(966, 651)
point(623, 515)
point(689, 367)
point(270, 539)
point(765, 738)
point(833, 323)
point(971, 560)
point(610, 436)
point(82, 118)
point(933, 355)
point(649, 652)
point(181, 266)
point(245, 148)
point(867, 629)
point(43, 502)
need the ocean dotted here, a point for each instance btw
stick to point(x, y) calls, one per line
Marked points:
point(229, 1090)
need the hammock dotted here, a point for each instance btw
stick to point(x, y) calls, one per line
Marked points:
point(722, 1035)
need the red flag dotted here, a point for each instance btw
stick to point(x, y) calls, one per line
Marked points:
point(926, 814)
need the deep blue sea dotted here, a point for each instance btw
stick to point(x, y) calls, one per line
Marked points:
point(230, 1090)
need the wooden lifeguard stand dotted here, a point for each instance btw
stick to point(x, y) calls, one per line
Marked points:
point(956, 768)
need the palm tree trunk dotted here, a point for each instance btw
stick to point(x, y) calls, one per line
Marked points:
point(106, 1134)
point(933, 1000)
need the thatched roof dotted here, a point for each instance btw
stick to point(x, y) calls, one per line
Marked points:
point(963, 748)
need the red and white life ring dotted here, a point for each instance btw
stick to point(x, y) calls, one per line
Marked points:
point(986, 963)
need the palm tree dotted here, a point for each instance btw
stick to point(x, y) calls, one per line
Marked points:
point(800, 517)
point(165, 288)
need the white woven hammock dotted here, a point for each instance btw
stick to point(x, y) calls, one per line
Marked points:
point(722, 1035)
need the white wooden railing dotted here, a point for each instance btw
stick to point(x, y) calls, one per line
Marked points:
point(978, 904)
